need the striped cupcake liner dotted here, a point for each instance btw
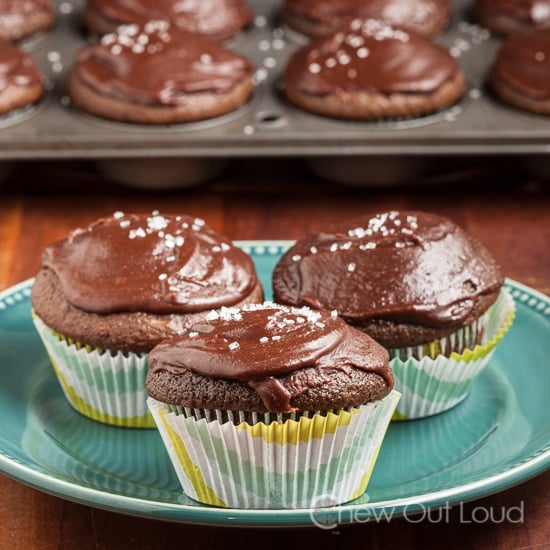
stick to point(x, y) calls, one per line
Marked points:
point(318, 460)
point(432, 385)
point(106, 387)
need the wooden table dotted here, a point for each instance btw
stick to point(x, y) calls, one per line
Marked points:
point(276, 199)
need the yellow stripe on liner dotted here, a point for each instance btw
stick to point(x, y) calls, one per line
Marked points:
point(204, 493)
point(298, 431)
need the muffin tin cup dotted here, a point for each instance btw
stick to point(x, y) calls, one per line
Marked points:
point(106, 387)
point(431, 385)
point(319, 460)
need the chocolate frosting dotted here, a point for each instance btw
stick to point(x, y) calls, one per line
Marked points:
point(533, 11)
point(411, 267)
point(150, 263)
point(523, 63)
point(17, 67)
point(368, 54)
point(156, 64)
point(260, 342)
point(395, 12)
point(18, 10)
point(201, 16)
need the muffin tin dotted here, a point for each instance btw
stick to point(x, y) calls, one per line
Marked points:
point(267, 125)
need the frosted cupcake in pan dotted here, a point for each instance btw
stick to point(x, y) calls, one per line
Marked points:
point(22, 19)
point(216, 19)
point(520, 75)
point(369, 70)
point(318, 18)
point(158, 74)
point(21, 81)
point(506, 17)
point(108, 293)
point(267, 406)
point(416, 282)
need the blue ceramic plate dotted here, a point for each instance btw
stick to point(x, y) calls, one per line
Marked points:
point(498, 437)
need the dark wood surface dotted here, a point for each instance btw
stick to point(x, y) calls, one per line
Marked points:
point(505, 207)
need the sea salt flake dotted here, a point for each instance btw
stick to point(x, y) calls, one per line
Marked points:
point(234, 345)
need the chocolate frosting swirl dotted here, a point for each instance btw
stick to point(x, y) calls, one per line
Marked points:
point(259, 342)
point(150, 263)
point(207, 17)
point(17, 67)
point(156, 64)
point(411, 267)
point(523, 63)
point(368, 54)
point(395, 12)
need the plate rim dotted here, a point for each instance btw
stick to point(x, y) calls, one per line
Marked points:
point(199, 514)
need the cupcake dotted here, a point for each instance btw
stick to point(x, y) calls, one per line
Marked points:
point(506, 17)
point(418, 284)
point(318, 18)
point(157, 74)
point(520, 75)
point(21, 81)
point(215, 19)
point(267, 406)
point(24, 19)
point(108, 293)
point(369, 70)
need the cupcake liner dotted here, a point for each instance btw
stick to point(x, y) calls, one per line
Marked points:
point(431, 385)
point(318, 460)
point(106, 387)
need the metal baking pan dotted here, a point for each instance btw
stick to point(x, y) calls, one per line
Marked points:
point(267, 125)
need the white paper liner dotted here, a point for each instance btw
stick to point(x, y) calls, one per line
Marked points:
point(431, 386)
point(312, 462)
point(106, 387)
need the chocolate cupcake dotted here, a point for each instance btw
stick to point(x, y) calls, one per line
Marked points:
point(21, 81)
point(215, 19)
point(418, 284)
point(506, 17)
point(520, 75)
point(319, 18)
point(268, 406)
point(108, 293)
point(369, 70)
point(20, 20)
point(157, 74)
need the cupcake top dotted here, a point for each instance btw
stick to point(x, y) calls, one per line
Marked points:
point(282, 359)
point(17, 67)
point(523, 62)
point(156, 64)
point(411, 14)
point(404, 267)
point(15, 16)
point(206, 17)
point(533, 12)
point(368, 54)
point(150, 263)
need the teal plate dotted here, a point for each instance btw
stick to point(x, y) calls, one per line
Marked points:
point(497, 437)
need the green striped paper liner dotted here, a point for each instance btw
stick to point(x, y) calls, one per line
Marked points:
point(432, 385)
point(104, 386)
point(317, 461)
